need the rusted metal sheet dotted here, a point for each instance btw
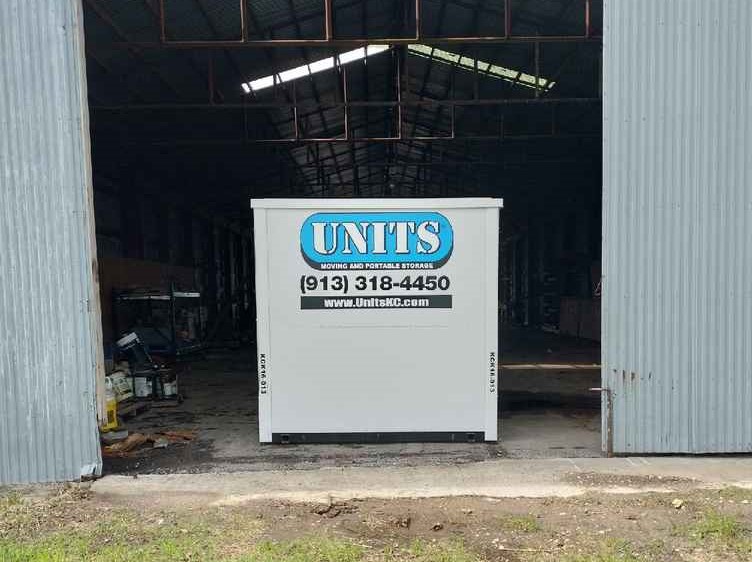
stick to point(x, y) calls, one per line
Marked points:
point(50, 336)
point(677, 308)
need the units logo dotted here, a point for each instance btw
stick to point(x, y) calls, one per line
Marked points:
point(395, 240)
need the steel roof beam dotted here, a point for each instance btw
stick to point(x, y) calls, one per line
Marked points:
point(306, 59)
point(104, 16)
point(91, 55)
point(208, 76)
point(356, 42)
point(452, 73)
point(271, 58)
point(337, 140)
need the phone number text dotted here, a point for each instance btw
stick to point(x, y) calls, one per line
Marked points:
point(343, 284)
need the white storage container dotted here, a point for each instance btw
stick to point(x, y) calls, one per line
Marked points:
point(377, 319)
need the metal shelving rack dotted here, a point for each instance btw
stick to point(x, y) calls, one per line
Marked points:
point(172, 297)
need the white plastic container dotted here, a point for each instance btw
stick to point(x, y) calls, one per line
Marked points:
point(377, 319)
point(143, 386)
point(171, 388)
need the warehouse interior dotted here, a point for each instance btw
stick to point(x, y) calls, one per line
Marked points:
point(196, 106)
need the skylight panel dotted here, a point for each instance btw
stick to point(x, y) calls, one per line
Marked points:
point(294, 73)
point(440, 55)
point(321, 65)
point(350, 56)
point(261, 83)
point(315, 67)
point(488, 69)
point(376, 49)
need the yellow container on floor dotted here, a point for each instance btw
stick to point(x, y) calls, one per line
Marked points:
point(111, 421)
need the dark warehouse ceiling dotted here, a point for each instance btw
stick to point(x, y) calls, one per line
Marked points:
point(450, 107)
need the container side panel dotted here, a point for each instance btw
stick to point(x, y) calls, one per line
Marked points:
point(677, 246)
point(491, 389)
point(49, 349)
point(263, 335)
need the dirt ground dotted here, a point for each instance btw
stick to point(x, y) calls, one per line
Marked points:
point(70, 523)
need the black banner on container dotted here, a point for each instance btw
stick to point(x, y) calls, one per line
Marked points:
point(394, 301)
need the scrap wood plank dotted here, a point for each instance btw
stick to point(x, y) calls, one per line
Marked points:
point(178, 435)
point(126, 446)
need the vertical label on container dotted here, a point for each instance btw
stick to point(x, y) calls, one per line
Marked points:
point(262, 375)
point(492, 372)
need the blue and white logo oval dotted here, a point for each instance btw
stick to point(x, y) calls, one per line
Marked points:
point(390, 240)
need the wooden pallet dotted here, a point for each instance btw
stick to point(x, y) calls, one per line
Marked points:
point(131, 408)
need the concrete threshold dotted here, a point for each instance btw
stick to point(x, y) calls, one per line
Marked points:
point(503, 478)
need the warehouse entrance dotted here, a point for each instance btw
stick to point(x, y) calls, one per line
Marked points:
point(197, 107)
point(550, 303)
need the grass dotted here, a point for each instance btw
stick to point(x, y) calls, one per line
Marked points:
point(614, 550)
point(736, 494)
point(521, 523)
point(422, 551)
point(215, 536)
point(66, 526)
point(60, 528)
point(64, 547)
point(29, 515)
point(717, 526)
point(126, 536)
point(310, 549)
point(306, 550)
point(193, 547)
point(16, 516)
point(721, 531)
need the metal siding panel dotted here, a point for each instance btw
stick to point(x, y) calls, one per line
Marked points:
point(677, 322)
point(50, 348)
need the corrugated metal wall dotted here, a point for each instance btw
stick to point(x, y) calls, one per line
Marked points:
point(677, 345)
point(50, 342)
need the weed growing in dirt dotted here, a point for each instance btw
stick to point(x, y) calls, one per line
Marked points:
point(521, 523)
point(721, 532)
point(306, 550)
point(12, 498)
point(615, 550)
point(717, 526)
point(736, 494)
point(127, 536)
point(309, 549)
point(70, 547)
point(25, 516)
point(422, 551)
point(16, 516)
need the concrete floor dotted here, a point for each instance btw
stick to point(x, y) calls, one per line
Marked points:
point(546, 412)
point(513, 478)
